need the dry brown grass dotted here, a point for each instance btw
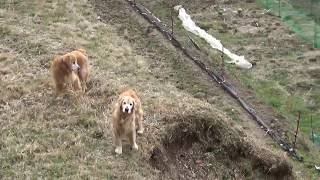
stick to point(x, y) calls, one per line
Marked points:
point(70, 137)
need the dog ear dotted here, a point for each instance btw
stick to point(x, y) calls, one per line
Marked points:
point(133, 104)
point(65, 58)
point(120, 100)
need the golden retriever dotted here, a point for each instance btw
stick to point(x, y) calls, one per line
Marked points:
point(70, 69)
point(127, 117)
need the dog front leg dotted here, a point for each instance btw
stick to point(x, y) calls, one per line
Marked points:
point(132, 139)
point(59, 88)
point(76, 84)
point(139, 123)
point(118, 143)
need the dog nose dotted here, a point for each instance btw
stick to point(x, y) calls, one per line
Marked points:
point(126, 109)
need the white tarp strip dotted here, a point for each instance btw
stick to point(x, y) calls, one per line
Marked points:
point(189, 25)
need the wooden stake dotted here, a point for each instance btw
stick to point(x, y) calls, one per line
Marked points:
point(297, 130)
point(171, 10)
point(222, 56)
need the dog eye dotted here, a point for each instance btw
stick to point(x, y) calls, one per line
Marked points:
point(130, 104)
point(74, 62)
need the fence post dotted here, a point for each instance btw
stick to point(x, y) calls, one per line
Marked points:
point(223, 66)
point(279, 8)
point(312, 133)
point(297, 130)
point(171, 13)
point(315, 33)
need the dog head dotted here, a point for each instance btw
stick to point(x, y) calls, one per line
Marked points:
point(127, 104)
point(71, 62)
point(83, 51)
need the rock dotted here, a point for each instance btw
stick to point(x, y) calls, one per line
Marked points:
point(310, 47)
point(315, 73)
point(300, 57)
point(255, 24)
point(272, 125)
point(84, 24)
point(313, 60)
point(199, 161)
point(212, 100)
point(240, 12)
point(28, 74)
point(228, 1)
point(304, 85)
point(199, 95)
point(4, 71)
point(3, 57)
point(222, 31)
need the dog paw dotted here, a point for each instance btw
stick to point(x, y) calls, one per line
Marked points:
point(140, 131)
point(135, 147)
point(118, 150)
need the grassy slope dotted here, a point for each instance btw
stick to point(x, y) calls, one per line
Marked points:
point(305, 96)
point(281, 79)
point(283, 76)
point(43, 136)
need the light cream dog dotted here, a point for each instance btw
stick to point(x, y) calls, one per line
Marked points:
point(127, 118)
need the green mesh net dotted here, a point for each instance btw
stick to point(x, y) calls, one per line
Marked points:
point(315, 138)
point(302, 16)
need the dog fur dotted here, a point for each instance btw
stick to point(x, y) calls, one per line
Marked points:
point(70, 69)
point(82, 60)
point(127, 118)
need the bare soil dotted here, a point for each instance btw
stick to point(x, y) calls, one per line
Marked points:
point(203, 148)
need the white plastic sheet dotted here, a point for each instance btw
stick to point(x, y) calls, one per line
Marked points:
point(190, 26)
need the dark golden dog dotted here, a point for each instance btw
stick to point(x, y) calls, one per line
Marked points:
point(70, 69)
